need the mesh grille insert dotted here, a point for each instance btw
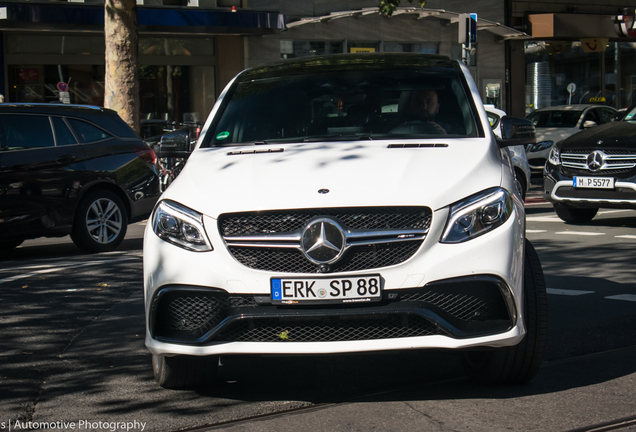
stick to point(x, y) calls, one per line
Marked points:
point(318, 330)
point(293, 261)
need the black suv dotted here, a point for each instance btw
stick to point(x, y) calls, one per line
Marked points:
point(72, 169)
point(593, 169)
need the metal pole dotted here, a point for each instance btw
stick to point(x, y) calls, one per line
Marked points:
point(618, 102)
point(603, 75)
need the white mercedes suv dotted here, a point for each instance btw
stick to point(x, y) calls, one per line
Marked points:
point(344, 204)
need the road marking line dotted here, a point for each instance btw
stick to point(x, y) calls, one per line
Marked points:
point(535, 231)
point(567, 292)
point(583, 233)
point(543, 219)
point(626, 236)
point(615, 211)
point(58, 268)
point(628, 297)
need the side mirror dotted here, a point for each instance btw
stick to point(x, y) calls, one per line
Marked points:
point(516, 131)
point(175, 144)
point(589, 124)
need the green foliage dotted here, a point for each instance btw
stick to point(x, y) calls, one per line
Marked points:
point(387, 7)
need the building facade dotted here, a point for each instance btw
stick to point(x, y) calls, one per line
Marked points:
point(527, 54)
point(54, 51)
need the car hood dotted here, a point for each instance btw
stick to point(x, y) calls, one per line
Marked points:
point(620, 134)
point(222, 180)
point(553, 133)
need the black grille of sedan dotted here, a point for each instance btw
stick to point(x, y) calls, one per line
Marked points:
point(199, 316)
point(252, 237)
point(599, 194)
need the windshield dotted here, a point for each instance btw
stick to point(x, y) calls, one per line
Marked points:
point(561, 119)
point(631, 115)
point(347, 105)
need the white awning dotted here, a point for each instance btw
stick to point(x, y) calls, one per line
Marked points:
point(506, 33)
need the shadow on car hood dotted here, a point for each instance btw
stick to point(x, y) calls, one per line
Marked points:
point(230, 179)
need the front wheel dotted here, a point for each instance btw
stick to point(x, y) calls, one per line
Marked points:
point(100, 223)
point(574, 215)
point(520, 363)
point(185, 372)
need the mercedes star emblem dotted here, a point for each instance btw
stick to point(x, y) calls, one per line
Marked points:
point(323, 241)
point(595, 160)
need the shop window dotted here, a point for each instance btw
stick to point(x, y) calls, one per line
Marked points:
point(55, 44)
point(187, 47)
point(38, 83)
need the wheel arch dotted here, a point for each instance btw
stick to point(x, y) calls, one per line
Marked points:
point(86, 190)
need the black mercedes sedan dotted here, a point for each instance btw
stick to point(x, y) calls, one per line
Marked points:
point(593, 169)
point(72, 169)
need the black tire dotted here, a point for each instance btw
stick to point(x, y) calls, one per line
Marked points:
point(520, 363)
point(10, 244)
point(574, 215)
point(100, 222)
point(185, 372)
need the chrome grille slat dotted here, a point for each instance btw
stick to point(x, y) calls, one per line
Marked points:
point(613, 160)
point(271, 240)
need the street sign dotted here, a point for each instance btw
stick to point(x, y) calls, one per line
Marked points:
point(62, 86)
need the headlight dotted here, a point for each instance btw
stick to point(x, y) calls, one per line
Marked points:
point(543, 145)
point(555, 156)
point(477, 215)
point(180, 226)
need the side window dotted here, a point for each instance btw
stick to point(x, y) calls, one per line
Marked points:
point(63, 135)
point(606, 115)
point(25, 131)
point(86, 132)
point(591, 115)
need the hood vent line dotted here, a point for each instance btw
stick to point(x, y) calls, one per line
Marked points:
point(417, 145)
point(257, 151)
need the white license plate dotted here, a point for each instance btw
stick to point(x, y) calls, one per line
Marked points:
point(326, 290)
point(594, 182)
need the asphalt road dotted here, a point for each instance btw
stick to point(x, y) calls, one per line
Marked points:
point(72, 351)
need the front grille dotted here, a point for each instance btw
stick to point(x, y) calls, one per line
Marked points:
point(472, 305)
point(271, 227)
point(329, 330)
point(188, 315)
point(615, 161)
point(469, 305)
point(271, 222)
point(293, 261)
point(619, 194)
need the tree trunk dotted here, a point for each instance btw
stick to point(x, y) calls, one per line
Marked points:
point(121, 89)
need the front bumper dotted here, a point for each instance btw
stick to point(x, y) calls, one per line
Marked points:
point(445, 296)
point(558, 188)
